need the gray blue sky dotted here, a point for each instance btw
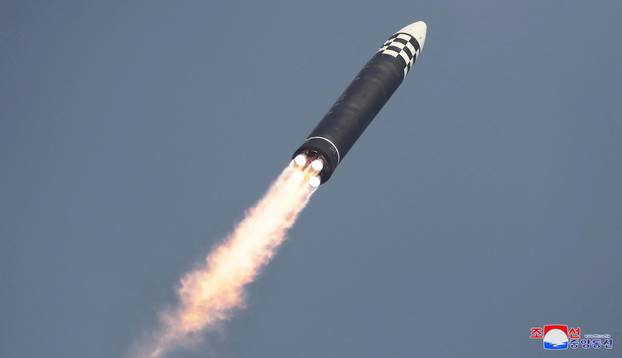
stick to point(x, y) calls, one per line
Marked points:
point(483, 200)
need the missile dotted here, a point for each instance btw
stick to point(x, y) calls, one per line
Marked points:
point(357, 106)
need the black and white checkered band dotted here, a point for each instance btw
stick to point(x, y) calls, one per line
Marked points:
point(403, 46)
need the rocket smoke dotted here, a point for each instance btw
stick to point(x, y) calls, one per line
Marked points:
point(211, 293)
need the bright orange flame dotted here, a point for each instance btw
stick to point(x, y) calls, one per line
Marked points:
point(209, 294)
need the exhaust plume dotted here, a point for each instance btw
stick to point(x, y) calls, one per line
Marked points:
point(211, 293)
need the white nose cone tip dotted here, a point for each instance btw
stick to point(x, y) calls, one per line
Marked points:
point(417, 30)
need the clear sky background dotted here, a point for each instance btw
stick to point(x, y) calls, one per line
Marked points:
point(483, 200)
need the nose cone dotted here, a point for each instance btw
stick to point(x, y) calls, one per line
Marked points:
point(417, 30)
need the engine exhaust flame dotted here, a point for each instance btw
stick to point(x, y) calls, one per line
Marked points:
point(210, 294)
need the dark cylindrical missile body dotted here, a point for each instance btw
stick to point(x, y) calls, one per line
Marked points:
point(357, 106)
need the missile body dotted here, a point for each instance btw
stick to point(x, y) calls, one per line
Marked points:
point(357, 106)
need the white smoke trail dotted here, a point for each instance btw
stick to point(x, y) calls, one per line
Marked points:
point(209, 294)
